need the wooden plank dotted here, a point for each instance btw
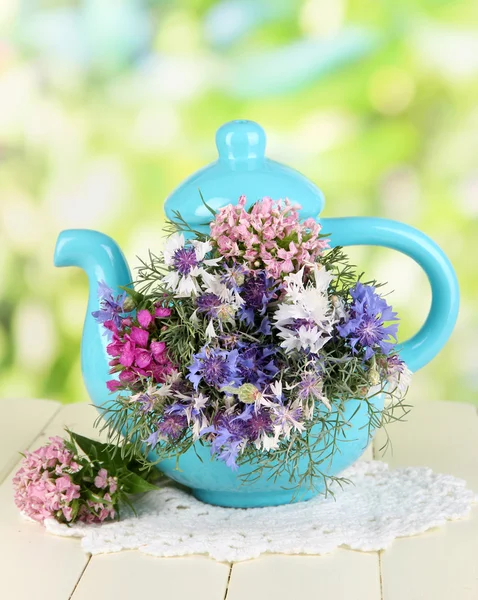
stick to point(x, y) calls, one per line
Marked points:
point(22, 421)
point(441, 563)
point(34, 564)
point(343, 574)
point(131, 574)
point(79, 417)
point(439, 435)
point(55, 565)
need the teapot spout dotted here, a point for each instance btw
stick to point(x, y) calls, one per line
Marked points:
point(102, 260)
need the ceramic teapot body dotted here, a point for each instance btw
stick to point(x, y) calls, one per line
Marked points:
point(243, 169)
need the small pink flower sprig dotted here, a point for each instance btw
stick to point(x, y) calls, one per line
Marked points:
point(77, 479)
point(269, 236)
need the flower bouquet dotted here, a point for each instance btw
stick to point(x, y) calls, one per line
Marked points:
point(77, 479)
point(251, 342)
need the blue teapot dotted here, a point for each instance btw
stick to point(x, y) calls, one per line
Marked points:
point(243, 169)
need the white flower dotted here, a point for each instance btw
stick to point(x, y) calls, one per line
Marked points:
point(194, 412)
point(310, 304)
point(212, 284)
point(338, 307)
point(399, 380)
point(268, 443)
point(307, 338)
point(210, 331)
point(276, 388)
point(186, 263)
point(286, 419)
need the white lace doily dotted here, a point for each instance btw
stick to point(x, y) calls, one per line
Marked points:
point(382, 505)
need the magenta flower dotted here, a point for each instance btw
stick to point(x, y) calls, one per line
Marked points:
point(145, 318)
point(135, 353)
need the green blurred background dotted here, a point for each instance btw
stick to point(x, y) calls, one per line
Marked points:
point(106, 105)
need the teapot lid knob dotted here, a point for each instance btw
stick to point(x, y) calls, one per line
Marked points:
point(241, 140)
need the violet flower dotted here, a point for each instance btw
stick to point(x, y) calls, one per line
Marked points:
point(230, 436)
point(365, 328)
point(257, 291)
point(256, 364)
point(216, 368)
point(110, 309)
point(209, 304)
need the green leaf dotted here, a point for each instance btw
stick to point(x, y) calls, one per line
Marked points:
point(135, 484)
point(98, 451)
point(213, 212)
point(136, 296)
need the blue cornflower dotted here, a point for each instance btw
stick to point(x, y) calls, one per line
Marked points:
point(209, 304)
point(265, 327)
point(185, 259)
point(111, 309)
point(259, 424)
point(233, 276)
point(153, 439)
point(310, 386)
point(172, 425)
point(215, 367)
point(257, 291)
point(366, 327)
point(230, 436)
point(256, 364)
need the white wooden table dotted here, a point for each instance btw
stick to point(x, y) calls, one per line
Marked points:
point(440, 564)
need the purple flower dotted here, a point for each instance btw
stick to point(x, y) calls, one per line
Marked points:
point(230, 436)
point(172, 425)
point(310, 386)
point(259, 423)
point(209, 305)
point(111, 309)
point(366, 327)
point(265, 327)
point(147, 402)
point(153, 438)
point(215, 367)
point(233, 277)
point(257, 291)
point(298, 323)
point(185, 259)
point(395, 365)
point(256, 364)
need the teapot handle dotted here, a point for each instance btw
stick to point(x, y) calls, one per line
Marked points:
point(430, 339)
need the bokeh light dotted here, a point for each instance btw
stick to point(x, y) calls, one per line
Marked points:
point(106, 105)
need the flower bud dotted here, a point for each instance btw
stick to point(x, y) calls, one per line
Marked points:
point(248, 393)
point(128, 304)
point(374, 375)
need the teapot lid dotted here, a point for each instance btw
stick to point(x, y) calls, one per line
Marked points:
point(241, 169)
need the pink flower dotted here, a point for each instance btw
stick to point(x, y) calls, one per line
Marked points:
point(162, 312)
point(101, 479)
point(145, 318)
point(43, 485)
point(260, 236)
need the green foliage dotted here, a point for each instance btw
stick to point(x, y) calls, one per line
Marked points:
point(132, 475)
